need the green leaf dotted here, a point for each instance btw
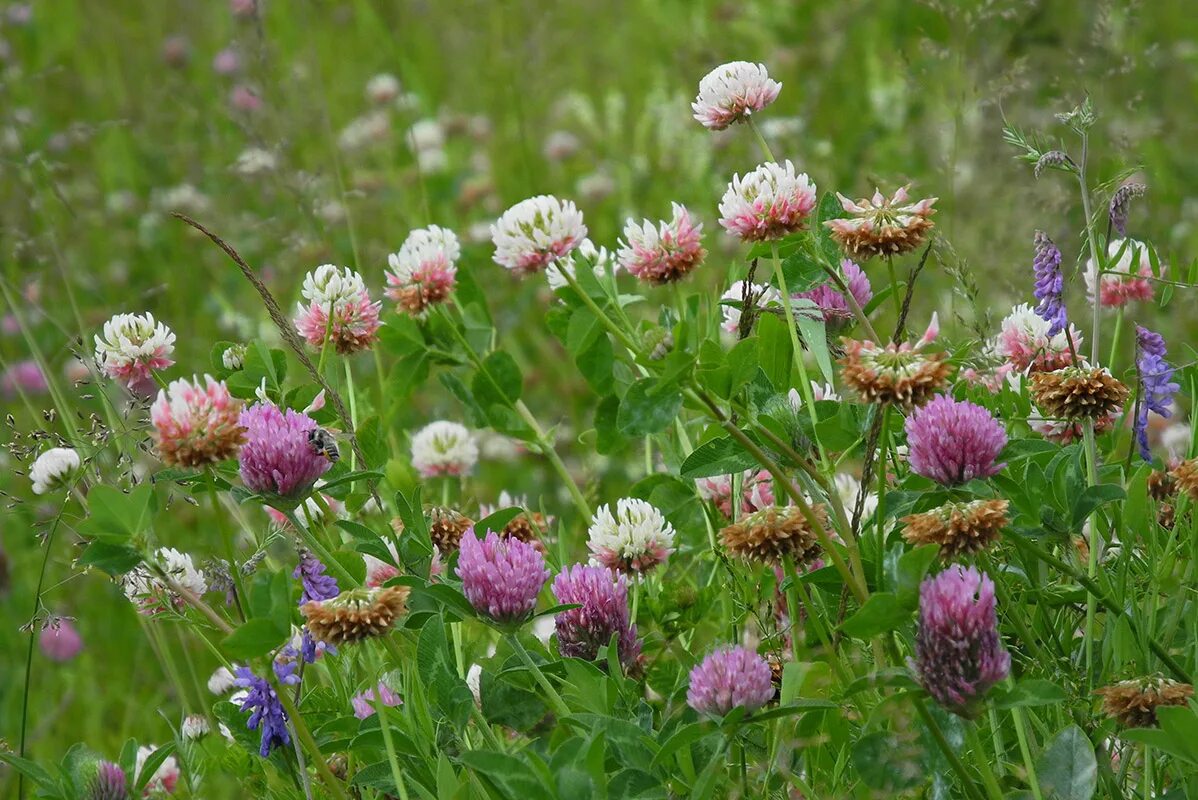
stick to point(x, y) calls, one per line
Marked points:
point(815, 336)
point(498, 380)
point(30, 770)
point(1028, 692)
point(912, 567)
point(116, 516)
point(648, 408)
point(1067, 768)
point(1093, 497)
point(881, 613)
point(723, 456)
point(683, 737)
point(774, 352)
point(114, 559)
point(151, 765)
point(887, 762)
point(510, 773)
point(255, 638)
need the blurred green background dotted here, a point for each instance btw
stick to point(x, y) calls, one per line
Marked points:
point(114, 114)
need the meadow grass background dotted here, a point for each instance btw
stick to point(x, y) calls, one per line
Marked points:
point(97, 128)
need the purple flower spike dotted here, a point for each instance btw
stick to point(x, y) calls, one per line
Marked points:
point(958, 652)
point(501, 577)
point(1050, 284)
point(316, 584)
point(109, 783)
point(277, 458)
point(953, 441)
point(729, 678)
point(267, 710)
point(1156, 382)
point(603, 613)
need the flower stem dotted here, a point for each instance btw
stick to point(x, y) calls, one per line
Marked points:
point(958, 766)
point(309, 743)
point(982, 761)
point(385, 726)
point(1025, 752)
point(1093, 241)
point(792, 324)
point(559, 705)
point(1094, 544)
point(894, 293)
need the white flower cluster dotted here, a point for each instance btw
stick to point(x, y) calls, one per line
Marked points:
point(600, 260)
point(636, 535)
point(425, 248)
point(535, 232)
point(327, 285)
point(444, 448)
point(52, 469)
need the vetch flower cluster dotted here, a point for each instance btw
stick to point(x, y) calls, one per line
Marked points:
point(131, 348)
point(277, 458)
point(958, 652)
point(952, 441)
point(266, 711)
point(501, 577)
point(1050, 285)
point(732, 92)
point(339, 310)
point(768, 203)
point(1156, 384)
point(196, 424)
point(728, 678)
point(424, 271)
point(663, 253)
point(635, 539)
point(536, 232)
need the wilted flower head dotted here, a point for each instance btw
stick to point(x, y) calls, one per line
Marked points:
point(831, 301)
point(148, 592)
point(339, 310)
point(1134, 702)
point(954, 441)
point(59, 640)
point(1027, 343)
point(900, 374)
point(131, 348)
point(600, 261)
point(1121, 205)
point(266, 710)
point(355, 614)
point(1157, 386)
point(424, 271)
point(196, 424)
point(775, 533)
point(958, 528)
point(663, 253)
point(882, 226)
point(728, 678)
point(1125, 280)
point(768, 203)
point(501, 577)
point(444, 448)
point(603, 613)
point(756, 491)
point(277, 458)
point(364, 702)
point(1050, 285)
point(958, 652)
point(743, 295)
point(1068, 431)
point(53, 469)
point(635, 539)
point(732, 92)
point(1077, 393)
point(536, 232)
point(108, 783)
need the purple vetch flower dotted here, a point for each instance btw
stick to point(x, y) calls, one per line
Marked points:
point(958, 652)
point(728, 678)
point(364, 702)
point(953, 441)
point(1156, 384)
point(311, 574)
point(1050, 284)
point(603, 613)
point(501, 577)
point(1121, 205)
point(109, 783)
point(267, 711)
point(277, 458)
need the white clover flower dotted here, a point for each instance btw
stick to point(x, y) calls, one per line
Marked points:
point(1124, 280)
point(768, 203)
point(600, 260)
point(848, 487)
point(763, 295)
point(1024, 342)
point(195, 726)
point(665, 252)
point(183, 197)
point(424, 271)
point(382, 88)
point(595, 187)
point(444, 448)
point(819, 391)
point(426, 134)
point(255, 161)
point(233, 358)
point(145, 589)
point(560, 145)
point(635, 539)
point(365, 130)
point(53, 468)
point(131, 347)
point(536, 232)
point(221, 681)
point(732, 92)
point(327, 285)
